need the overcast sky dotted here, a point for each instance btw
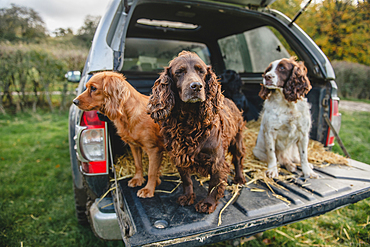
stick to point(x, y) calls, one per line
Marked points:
point(62, 13)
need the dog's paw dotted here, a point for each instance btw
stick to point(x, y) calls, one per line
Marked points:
point(145, 193)
point(311, 175)
point(205, 207)
point(308, 172)
point(239, 180)
point(186, 200)
point(272, 172)
point(134, 182)
point(291, 167)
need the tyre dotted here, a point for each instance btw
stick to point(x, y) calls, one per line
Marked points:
point(80, 196)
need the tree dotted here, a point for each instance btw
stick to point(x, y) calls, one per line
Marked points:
point(289, 7)
point(340, 27)
point(61, 32)
point(342, 30)
point(21, 23)
point(87, 31)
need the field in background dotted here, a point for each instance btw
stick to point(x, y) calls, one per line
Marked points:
point(31, 74)
point(37, 205)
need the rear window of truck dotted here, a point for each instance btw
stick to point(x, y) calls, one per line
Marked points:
point(151, 55)
point(253, 50)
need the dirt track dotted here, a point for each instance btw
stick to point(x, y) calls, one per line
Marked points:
point(353, 106)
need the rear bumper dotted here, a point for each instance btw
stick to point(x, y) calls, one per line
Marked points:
point(104, 220)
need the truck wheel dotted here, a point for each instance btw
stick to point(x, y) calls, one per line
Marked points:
point(80, 205)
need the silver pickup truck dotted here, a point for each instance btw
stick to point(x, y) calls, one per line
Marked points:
point(237, 37)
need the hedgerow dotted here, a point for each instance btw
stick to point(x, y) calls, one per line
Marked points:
point(31, 74)
point(352, 79)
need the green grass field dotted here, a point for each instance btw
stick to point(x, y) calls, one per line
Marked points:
point(37, 205)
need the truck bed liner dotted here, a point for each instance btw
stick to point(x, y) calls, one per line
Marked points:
point(160, 221)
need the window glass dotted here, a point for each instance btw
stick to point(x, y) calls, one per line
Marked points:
point(152, 55)
point(253, 50)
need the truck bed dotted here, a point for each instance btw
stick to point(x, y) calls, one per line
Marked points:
point(160, 221)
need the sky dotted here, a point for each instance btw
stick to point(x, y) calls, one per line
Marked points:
point(62, 13)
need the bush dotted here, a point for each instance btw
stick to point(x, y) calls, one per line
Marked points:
point(352, 79)
point(30, 73)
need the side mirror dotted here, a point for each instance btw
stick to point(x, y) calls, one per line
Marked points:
point(73, 76)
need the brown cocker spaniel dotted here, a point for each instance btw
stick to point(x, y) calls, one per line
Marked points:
point(199, 126)
point(112, 95)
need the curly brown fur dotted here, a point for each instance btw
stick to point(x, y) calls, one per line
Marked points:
point(298, 84)
point(264, 92)
point(198, 125)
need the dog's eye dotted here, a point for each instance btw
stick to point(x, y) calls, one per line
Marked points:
point(179, 72)
point(201, 71)
point(93, 89)
point(281, 68)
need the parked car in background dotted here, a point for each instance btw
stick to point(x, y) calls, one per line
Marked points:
point(241, 37)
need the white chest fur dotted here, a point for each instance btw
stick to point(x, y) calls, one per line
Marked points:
point(287, 121)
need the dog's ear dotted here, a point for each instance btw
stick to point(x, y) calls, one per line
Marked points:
point(162, 100)
point(116, 94)
point(213, 90)
point(298, 85)
point(264, 92)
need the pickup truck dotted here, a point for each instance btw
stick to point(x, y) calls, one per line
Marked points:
point(239, 38)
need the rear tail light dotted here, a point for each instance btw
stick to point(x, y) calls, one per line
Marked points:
point(90, 118)
point(335, 119)
point(91, 144)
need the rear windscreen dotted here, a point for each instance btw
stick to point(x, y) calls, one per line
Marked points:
point(151, 55)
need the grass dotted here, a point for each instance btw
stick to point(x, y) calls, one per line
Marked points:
point(37, 204)
point(355, 134)
point(357, 100)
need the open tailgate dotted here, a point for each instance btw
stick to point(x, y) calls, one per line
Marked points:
point(160, 221)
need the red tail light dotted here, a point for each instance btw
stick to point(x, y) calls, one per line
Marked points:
point(90, 118)
point(91, 144)
point(97, 167)
point(335, 119)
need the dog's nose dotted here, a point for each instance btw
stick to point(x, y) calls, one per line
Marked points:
point(268, 77)
point(196, 86)
point(76, 102)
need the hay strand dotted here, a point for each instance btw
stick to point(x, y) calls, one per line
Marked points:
point(170, 192)
point(235, 190)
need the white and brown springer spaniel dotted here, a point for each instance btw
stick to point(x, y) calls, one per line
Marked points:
point(286, 118)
